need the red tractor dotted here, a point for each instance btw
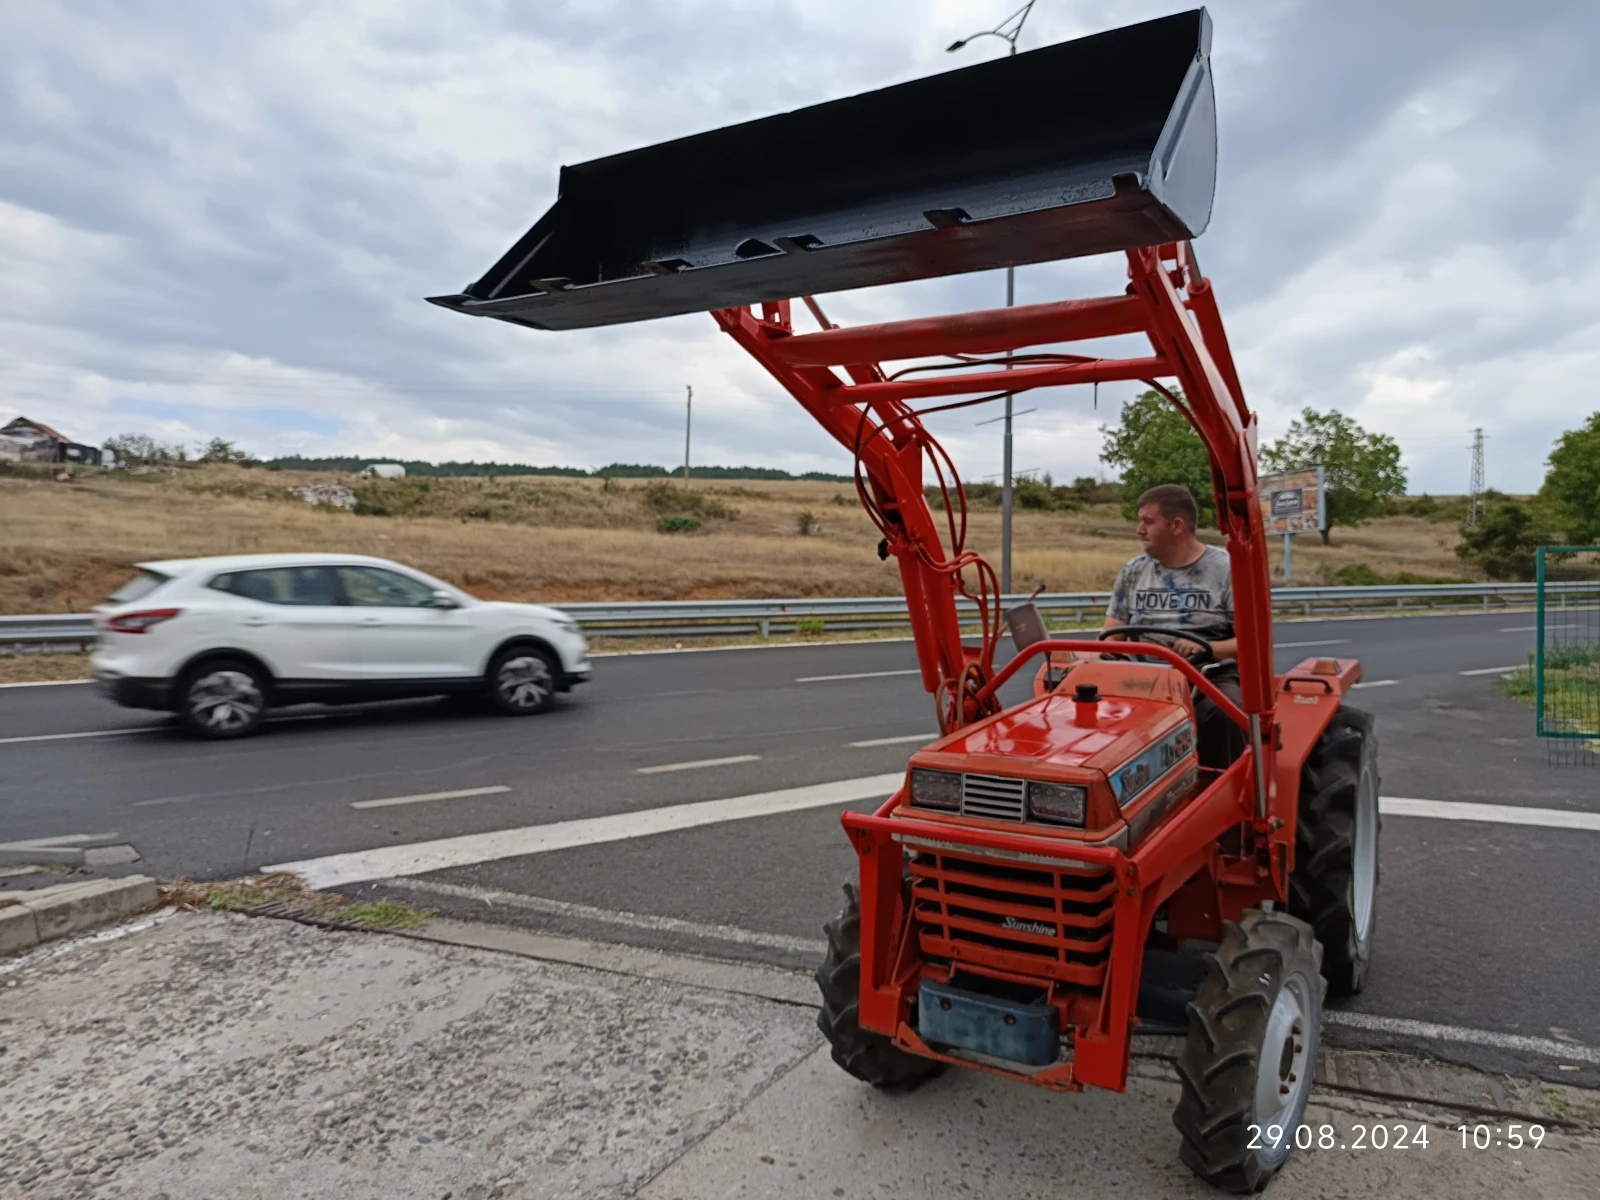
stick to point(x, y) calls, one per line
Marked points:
point(1059, 874)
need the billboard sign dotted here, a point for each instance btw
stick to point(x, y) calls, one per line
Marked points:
point(1294, 501)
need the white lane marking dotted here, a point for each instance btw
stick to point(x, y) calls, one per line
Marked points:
point(698, 763)
point(62, 737)
point(584, 912)
point(419, 858)
point(1519, 629)
point(1494, 670)
point(1328, 642)
point(45, 683)
point(70, 839)
point(57, 949)
point(1432, 1032)
point(1375, 683)
point(896, 741)
point(389, 801)
point(1499, 814)
point(857, 675)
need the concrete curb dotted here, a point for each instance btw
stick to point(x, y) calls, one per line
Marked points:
point(41, 856)
point(28, 918)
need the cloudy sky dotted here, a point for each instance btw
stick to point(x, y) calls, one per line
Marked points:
point(221, 219)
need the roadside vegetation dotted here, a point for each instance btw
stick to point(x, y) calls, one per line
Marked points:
point(37, 668)
point(66, 545)
point(286, 894)
point(1571, 686)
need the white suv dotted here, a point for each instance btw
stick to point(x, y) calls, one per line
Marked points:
point(219, 640)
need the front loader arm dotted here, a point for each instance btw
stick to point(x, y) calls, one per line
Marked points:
point(891, 446)
point(1166, 300)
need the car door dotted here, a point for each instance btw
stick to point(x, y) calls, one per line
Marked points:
point(292, 618)
point(403, 631)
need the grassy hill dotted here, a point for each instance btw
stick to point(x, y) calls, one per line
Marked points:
point(65, 545)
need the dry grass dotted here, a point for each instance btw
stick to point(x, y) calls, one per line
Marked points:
point(64, 546)
point(288, 895)
point(33, 668)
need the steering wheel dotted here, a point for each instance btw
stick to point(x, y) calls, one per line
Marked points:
point(1139, 633)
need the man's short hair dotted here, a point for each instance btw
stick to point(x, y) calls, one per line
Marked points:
point(1173, 500)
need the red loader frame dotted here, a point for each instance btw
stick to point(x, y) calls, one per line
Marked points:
point(1169, 302)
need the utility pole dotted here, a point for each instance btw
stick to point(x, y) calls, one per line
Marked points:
point(1475, 489)
point(1008, 30)
point(688, 421)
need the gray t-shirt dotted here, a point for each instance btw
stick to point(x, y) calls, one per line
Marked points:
point(1198, 597)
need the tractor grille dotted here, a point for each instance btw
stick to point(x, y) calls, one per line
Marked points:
point(1022, 918)
point(992, 796)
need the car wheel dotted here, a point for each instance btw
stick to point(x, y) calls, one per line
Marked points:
point(224, 698)
point(522, 681)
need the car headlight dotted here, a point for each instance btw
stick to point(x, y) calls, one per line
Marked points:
point(1057, 803)
point(935, 789)
point(566, 623)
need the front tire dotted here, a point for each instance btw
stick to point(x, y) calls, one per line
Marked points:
point(868, 1056)
point(1248, 1061)
point(1335, 882)
point(223, 698)
point(522, 681)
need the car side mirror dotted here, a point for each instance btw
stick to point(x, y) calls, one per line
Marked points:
point(443, 599)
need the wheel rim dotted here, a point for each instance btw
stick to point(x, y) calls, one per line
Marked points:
point(1364, 865)
point(225, 700)
point(1283, 1070)
point(524, 682)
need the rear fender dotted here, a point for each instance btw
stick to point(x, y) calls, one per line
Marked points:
point(1307, 697)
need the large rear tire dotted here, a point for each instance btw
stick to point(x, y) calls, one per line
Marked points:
point(868, 1056)
point(1335, 882)
point(1248, 1061)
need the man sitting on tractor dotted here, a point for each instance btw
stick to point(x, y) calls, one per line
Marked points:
point(1183, 585)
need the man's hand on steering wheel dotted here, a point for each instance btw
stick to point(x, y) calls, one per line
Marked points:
point(1191, 645)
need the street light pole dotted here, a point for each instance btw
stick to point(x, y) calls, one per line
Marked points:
point(1009, 30)
point(688, 420)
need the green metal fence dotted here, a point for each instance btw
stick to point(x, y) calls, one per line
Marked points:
point(1567, 656)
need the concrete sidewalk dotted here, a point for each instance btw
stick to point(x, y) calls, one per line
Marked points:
point(224, 1056)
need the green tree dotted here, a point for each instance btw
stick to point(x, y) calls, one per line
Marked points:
point(1155, 444)
point(220, 450)
point(1572, 488)
point(141, 447)
point(1362, 470)
point(1504, 541)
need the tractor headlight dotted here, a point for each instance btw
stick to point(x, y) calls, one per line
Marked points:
point(935, 789)
point(1057, 803)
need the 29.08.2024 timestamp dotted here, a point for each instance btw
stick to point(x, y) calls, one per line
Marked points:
point(1398, 1136)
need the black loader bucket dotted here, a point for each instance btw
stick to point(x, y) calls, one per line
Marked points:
point(1094, 145)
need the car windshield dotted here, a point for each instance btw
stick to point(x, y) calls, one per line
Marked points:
point(137, 588)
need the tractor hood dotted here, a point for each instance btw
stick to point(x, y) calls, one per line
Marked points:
point(1094, 145)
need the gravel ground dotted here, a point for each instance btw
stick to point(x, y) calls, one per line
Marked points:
point(222, 1056)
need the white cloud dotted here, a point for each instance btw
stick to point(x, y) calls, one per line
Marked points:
point(214, 217)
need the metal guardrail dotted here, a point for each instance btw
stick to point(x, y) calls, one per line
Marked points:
point(719, 618)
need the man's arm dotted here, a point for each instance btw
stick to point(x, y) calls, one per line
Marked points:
point(1221, 650)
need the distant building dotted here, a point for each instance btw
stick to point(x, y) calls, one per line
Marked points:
point(29, 441)
point(383, 471)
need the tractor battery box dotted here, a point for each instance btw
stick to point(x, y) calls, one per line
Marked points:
point(1014, 1030)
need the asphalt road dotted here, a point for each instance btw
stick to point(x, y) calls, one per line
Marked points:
point(1482, 925)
